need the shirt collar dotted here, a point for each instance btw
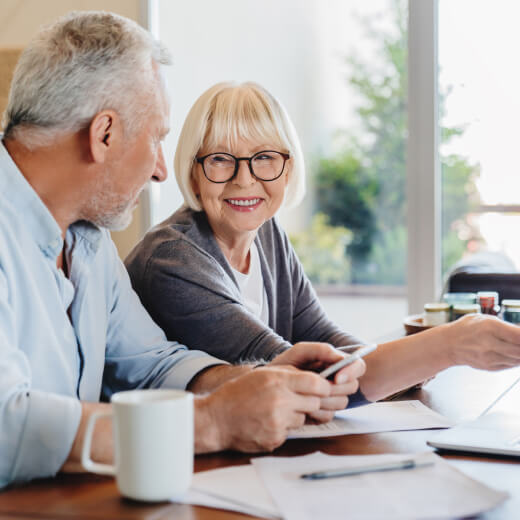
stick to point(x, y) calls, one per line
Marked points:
point(43, 226)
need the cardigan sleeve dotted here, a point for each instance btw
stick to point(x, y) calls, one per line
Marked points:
point(195, 302)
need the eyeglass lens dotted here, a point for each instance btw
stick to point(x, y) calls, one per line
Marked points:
point(220, 167)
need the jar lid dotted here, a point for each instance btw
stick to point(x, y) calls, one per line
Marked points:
point(436, 307)
point(466, 308)
point(459, 297)
point(511, 303)
point(487, 294)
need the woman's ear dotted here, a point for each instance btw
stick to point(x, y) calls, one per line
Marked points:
point(289, 170)
point(194, 183)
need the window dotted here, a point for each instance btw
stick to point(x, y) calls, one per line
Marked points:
point(478, 80)
point(340, 70)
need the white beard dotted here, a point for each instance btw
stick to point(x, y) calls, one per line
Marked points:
point(109, 209)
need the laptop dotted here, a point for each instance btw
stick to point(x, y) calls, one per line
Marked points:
point(494, 432)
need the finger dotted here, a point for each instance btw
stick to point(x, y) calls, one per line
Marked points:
point(505, 331)
point(345, 389)
point(321, 416)
point(297, 420)
point(350, 372)
point(308, 383)
point(305, 353)
point(305, 404)
point(338, 402)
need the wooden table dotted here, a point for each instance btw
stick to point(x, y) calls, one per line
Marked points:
point(458, 393)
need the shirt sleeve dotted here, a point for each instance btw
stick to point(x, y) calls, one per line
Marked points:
point(193, 299)
point(37, 428)
point(138, 355)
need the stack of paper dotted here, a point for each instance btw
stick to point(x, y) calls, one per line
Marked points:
point(436, 491)
point(276, 489)
point(272, 488)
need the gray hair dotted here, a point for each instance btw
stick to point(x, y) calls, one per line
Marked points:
point(83, 63)
point(227, 112)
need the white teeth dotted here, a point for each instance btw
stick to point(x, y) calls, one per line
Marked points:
point(237, 202)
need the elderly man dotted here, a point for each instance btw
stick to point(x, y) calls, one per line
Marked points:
point(86, 115)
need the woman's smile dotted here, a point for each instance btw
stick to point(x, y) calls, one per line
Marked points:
point(247, 204)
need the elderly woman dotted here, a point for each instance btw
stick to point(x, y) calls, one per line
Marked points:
point(220, 274)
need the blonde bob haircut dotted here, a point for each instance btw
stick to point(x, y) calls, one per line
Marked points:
point(226, 113)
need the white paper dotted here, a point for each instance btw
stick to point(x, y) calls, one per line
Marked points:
point(438, 491)
point(386, 416)
point(236, 488)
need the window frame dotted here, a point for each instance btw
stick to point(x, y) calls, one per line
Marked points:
point(423, 173)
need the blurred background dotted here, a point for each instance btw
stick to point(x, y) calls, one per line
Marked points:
point(342, 69)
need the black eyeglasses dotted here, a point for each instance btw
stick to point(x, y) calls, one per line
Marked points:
point(266, 165)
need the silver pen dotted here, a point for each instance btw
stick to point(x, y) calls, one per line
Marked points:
point(349, 348)
point(345, 472)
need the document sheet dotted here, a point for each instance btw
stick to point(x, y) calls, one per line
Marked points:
point(386, 416)
point(436, 491)
point(236, 488)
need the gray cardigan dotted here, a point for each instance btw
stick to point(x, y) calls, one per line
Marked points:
point(188, 287)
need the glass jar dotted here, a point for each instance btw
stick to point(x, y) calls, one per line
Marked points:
point(456, 298)
point(488, 301)
point(436, 314)
point(462, 309)
point(511, 311)
point(459, 297)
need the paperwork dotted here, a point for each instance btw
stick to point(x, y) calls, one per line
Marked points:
point(272, 488)
point(236, 488)
point(386, 416)
point(436, 491)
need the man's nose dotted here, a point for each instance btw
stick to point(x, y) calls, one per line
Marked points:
point(161, 172)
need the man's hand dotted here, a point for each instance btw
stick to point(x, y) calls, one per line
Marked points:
point(316, 357)
point(255, 411)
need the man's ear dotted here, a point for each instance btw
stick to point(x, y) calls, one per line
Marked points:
point(105, 132)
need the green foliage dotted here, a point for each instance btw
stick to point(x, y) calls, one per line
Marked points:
point(321, 249)
point(348, 194)
point(364, 187)
point(459, 195)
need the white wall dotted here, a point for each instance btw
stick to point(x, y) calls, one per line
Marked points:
point(20, 19)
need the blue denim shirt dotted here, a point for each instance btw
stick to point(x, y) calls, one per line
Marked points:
point(63, 340)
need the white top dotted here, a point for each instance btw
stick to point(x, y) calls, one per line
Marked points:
point(252, 287)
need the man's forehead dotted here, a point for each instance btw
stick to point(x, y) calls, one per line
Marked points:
point(162, 109)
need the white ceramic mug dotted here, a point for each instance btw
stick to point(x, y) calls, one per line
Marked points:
point(153, 443)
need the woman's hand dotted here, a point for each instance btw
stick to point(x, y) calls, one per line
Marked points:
point(484, 342)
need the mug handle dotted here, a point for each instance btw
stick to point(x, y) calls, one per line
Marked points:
point(86, 461)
